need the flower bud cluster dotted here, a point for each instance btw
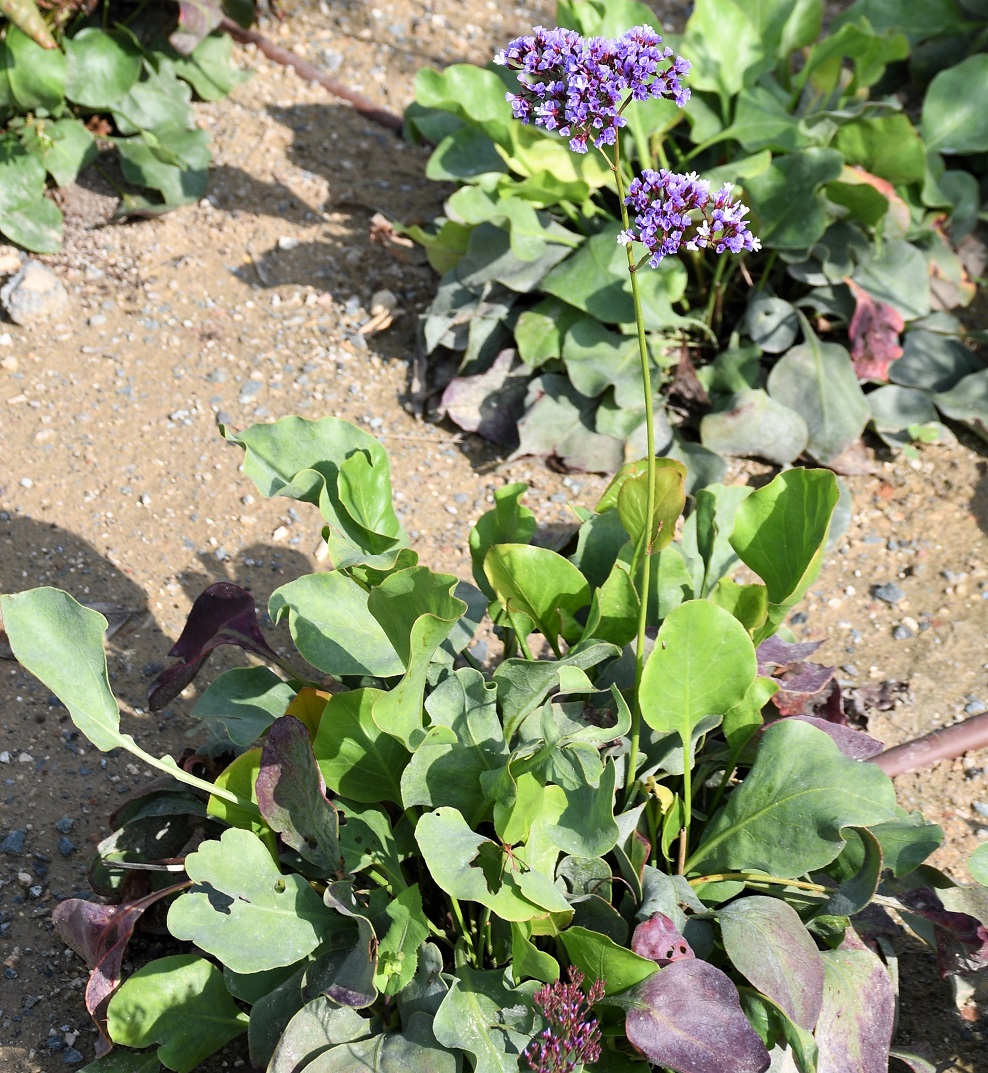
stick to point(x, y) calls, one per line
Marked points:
point(673, 211)
point(578, 86)
point(572, 1036)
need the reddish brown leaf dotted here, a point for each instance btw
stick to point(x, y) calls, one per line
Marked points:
point(874, 332)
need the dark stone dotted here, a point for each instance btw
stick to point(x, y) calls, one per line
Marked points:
point(889, 593)
point(14, 842)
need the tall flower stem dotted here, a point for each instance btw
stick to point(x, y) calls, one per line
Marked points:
point(648, 536)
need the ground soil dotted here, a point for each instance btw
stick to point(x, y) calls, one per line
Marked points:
point(115, 485)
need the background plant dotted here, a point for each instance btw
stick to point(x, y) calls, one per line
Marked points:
point(85, 74)
point(863, 164)
point(405, 848)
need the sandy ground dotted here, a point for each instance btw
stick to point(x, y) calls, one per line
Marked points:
point(115, 485)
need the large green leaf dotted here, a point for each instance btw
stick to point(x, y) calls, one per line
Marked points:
point(179, 1002)
point(790, 212)
point(967, 401)
point(888, 145)
point(483, 1015)
point(473, 94)
point(356, 758)
point(899, 276)
point(174, 164)
point(333, 627)
point(715, 30)
point(22, 175)
point(210, 69)
point(679, 686)
point(508, 522)
point(71, 147)
point(101, 67)
point(818, 381)
point(37, 75)
point(780, 532)
point(599, 958)
point(448, 772)
point(242, 703)
point(318, 1025)
point(540, 584)
point(953, 119)
point(787, 816)
point(239, 893)
point(35, 225)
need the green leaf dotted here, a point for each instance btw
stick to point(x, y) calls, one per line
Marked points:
point(754, 424)
point(425, 992)
point(507, 523)
point(418, 611)
point(869, 52)
point(669, 501)
point(179, 1002)
point(977, 864)
point(597, 358)
point(177, 169)
point(787, 816)
point(305, 460)
point(333, 627)
point(37, 74)
point(210, 69)
point(539, 331)
point(715, 30)
point(487, 1018)
point(242, 703)
point(368, 840)
point(600, 958)
point(357, 759)
point(61, 642)
point(540, 584)
point(35, 225)
point(677, 687)
point(448, 772)
point(907, 841)
point(899, 276)
point(952, 120)
point(527, 960)
point(397, 952)
point(239, 894)
point(595, 279)
point(785, 199)
point(780, 532)
point(967, 401)
point(465, 156)
point(414, 1050)
point(767, 942)
point(101, 67)
point(762, 120)
point(817, 381)
point(22, 175)
point(318, 1025)
point(747, 603)
point(71, 148)
point(888, 145)
point(474, 868)
point(707, 532)
point(470, 92)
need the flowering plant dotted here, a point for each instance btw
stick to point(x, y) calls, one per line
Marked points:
point(862, 179)
point(406, 849)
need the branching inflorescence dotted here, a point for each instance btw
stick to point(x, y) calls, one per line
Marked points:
point(572, 1036)
point(579, 86)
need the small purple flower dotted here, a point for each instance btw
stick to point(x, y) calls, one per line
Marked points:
point(673, 211)
point(573, 1035)
point(578, 86)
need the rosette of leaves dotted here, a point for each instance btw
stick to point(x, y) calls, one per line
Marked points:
point(861, 155)
point(401, 848)
point(67, 85)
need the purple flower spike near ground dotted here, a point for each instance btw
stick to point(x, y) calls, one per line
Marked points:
point(673, 211)
point(578, 86)
point(572, 1036)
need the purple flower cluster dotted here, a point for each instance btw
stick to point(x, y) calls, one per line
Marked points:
point(573, 1035)
point(578, 85)
point(672, 210)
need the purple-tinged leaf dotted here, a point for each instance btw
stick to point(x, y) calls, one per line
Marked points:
point(773, 652)
point(803, 678)
point(768, 943)
point(291, 795)
point(196, 20)
point(874, 333)
point(961, 940)
point(855, 744)
point(99, 934)
point(490, 403)
point(688, 1017)
point(913, 1061)
point(223, 614)
point(659, 939)
point(344, 970)
point(854, 1029)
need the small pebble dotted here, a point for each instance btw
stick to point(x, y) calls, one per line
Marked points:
point(64, 825)
point(902, 633)
point(889, 593)
point(981, 809)
point(798, 618)
point(976, 707)
point(72, 1057)
point(66, 846)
